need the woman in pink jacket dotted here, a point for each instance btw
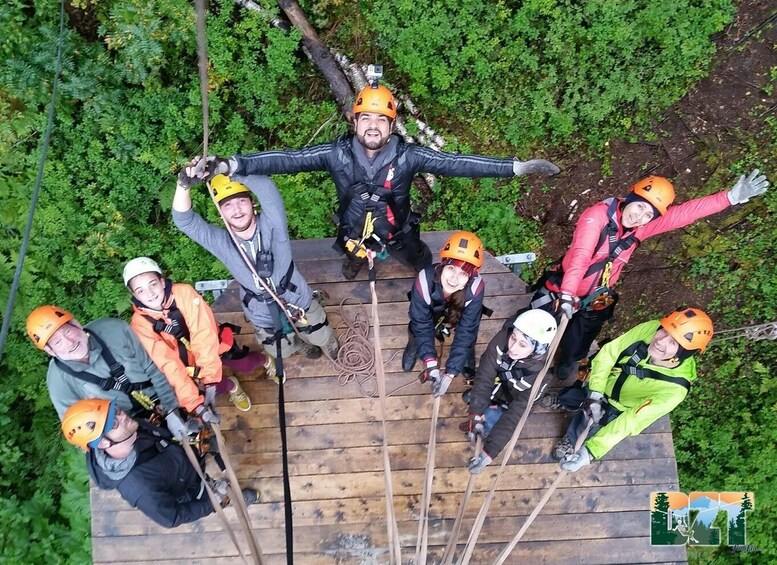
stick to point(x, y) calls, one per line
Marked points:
point(580, 285)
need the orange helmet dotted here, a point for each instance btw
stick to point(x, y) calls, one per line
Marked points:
point(44, 321)
point(656, 190)
point(85, 422)
point(377, 100)
point(690, 327)
point(465, 248)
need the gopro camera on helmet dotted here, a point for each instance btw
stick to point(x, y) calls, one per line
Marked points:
point(374, 74)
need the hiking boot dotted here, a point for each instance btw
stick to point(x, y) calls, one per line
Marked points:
point(469, 375)
point(310, 351)
point(269, 365)
point(563, 448)
point(466, 396)
point(250, 496)
point(331, 347)
point(564, 370)
point(238, 397)
point(552, 402)
point(351, 267)
point(409, 356)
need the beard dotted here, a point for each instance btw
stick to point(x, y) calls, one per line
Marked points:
point(373, 144)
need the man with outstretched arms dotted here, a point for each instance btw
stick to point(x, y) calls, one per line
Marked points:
point(264, 240)
point(372, 170)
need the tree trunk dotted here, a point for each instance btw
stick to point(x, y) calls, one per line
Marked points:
point(322, 57)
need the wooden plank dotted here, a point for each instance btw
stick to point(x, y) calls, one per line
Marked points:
point(519, 503)
point(329, 539)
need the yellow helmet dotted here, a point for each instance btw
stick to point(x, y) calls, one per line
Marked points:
point(221, 187)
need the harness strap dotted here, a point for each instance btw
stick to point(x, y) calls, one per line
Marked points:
point(635, 353)
point(617, 246)
point(118, 381)
point(282, 287)
point(178, 329)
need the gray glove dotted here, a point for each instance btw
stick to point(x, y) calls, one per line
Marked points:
point(593, 406)
point(479, 462)
point(574, 461)
point(210, 396)
point(206, 414)
point(220, 489)
point(535, 167)
point(176, 425)
point(747, 187)
point(220, 166)
point(440, 384)
point(567, 304)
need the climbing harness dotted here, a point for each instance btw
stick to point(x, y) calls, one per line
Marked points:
point(138, 392)
point(481, 517)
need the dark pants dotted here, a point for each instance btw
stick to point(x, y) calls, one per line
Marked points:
point(581, 331)
point(579, 421)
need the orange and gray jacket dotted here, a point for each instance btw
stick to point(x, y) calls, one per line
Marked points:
point(191, 317)
point(386, 178)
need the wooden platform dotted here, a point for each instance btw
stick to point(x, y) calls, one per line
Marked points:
point(599, 515)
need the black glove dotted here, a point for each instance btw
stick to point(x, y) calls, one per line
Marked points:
point(186, 181)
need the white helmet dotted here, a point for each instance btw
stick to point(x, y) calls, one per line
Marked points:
point(538, 325)
point(138, 266)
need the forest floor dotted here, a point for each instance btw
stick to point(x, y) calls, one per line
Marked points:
point(708, 129)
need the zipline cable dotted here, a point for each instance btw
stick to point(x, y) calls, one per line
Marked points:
point(202, 56)
point(450, 548)
point(391, 520)
point(36, 187)
point(212, 497)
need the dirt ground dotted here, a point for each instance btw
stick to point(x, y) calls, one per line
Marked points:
point(701, 133)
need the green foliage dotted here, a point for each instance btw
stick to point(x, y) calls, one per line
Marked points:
point(546, 70)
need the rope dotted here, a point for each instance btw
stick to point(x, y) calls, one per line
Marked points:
point(481, 517)
point(541, 504)
point(755, 333)
point(450, 548)
point(36, 188)
point(212, 497)
point(242, 510)
point(423, 520)
point(393, 531)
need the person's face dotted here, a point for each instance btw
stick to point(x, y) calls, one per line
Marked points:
point(116, 441)
point(149, 290)
point(453, 278)
point(636, 214)
point(69, 343)
point(373, 130)
point(663, 346)
point(519, 346)
point(239, 213)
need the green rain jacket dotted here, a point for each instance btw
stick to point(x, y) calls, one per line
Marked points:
point(642, 401)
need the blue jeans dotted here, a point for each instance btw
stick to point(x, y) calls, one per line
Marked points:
point(491, 417)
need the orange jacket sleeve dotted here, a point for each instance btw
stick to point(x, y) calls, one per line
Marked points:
point(203, 331)
point(163, 350)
